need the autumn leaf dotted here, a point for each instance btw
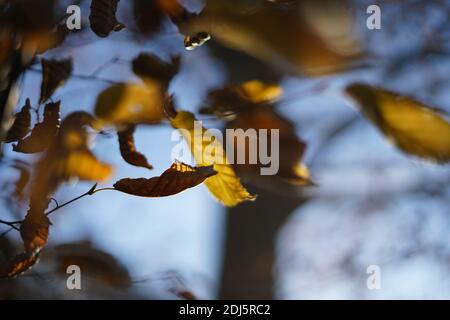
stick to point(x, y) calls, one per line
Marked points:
point(103, 17)
point(233, 99)
point(20, 263)
point(54, 74)
point(131, 103)
point(21, 125)
point(22, 182)
point(412, 126)
point(225, 186)
point(128, 149)
point(34, 231)
point(302, 37)
point(67, 158)
point(176, 179)
point(150, 68)
point(290, 149)
point(43, 133)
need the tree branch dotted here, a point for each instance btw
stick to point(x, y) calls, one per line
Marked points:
point(91, 191)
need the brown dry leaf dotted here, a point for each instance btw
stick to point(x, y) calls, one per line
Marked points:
point(20, 263)
point(304, 37)
point(54, 74)
point(34, 231)
point(291, 149)
point(151, 68)
point(128, 149)
point(103, 17)
point(43, 133)
point(412, 126)
point(176, 179)
point(21, 125)
point(131, 103)
point(225, 186)
point(22, 181)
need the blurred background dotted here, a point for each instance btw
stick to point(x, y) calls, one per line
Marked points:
point(373, 205)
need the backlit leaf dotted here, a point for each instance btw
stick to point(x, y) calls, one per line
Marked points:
point(131, 103)
point(225, 186)
point(234, 99)
point(413, 127)
point(21, 263)
point(128, 149)
point(176, 179)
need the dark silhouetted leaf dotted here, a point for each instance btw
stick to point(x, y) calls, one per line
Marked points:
point(412, 126)
point(150, 67)
point(103, 17)
point(43, 133)
point(54, 74)
point(177, 178)
point(128, 149)
point(21, 125)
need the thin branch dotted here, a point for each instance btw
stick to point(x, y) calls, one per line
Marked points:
point(91, 191)
point(11, 224)
point(80, 76)
point(88, 193)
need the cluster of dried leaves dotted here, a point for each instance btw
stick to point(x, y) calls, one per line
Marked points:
point(64, 147)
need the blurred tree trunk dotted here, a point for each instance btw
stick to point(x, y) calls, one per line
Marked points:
point(250, 246)
point(252, 227)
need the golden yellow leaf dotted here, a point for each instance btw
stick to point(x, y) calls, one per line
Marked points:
point(257, 91)
point(225, 186)
point(412, 126)
point(233, 99)
point(130, 103)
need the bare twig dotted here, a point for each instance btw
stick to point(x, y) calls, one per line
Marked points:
point(90, 192)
